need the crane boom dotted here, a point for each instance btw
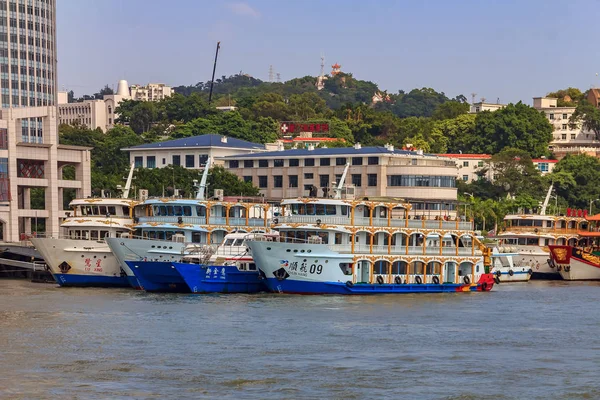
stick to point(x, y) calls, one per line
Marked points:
point(129, 179)
point(338, 190)
point(202, 188)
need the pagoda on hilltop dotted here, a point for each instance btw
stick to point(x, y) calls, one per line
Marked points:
point(335, 69)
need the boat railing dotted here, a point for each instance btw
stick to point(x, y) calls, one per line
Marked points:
point(377, 221)
point(539, 229)
point(213, 220)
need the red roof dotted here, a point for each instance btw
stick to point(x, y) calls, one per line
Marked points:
point(538, 160)
point(299, 139)
point(486, 156)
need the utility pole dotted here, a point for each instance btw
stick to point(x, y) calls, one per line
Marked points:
point(212, 81)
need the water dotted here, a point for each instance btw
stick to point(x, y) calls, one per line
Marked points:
point(539, 340)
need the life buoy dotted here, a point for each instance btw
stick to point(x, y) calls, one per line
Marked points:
point(380, 279)
point(418, 280)
point(497, 280)
point(498, 274)
point(467, 280)
point(435, 280)
point(530, 272)
point(398, 280)
point(511, 272)
point(349, 284)
point(567, 268)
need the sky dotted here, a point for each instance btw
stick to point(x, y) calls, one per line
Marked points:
point(507, 49)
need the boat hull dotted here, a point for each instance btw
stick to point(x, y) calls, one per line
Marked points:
point(128, 249)
point(85, 263)
point(536, 259)
point(575, 264)
point(219, 279)
point(318, 271)
point(158, 276)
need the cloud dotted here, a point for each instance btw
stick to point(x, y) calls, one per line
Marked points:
point(243, 9)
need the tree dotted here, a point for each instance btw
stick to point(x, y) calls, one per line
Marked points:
point(577, 179)
point(144, 114)
point(104, 91)
point(568, 97)
point(450, 109)
point(456, 133)
point(514, 172)
point(516, 125)
point(419, 103)
point(588, 116)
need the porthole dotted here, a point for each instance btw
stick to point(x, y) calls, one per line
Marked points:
point(288, 250)
point(309, 251)
point(170, 247)
point(94, 256)
point(302, 251)
point(268, 248)
point(295, 250)
point(82, 256)
point(326, 261)
point(152, 246)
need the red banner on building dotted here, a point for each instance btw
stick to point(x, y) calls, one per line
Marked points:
point(289, 128)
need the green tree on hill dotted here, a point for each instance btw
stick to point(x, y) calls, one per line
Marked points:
point(588, 116)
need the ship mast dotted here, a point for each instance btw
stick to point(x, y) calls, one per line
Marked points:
point(202, 187)
point(129, 179)
point(546, 200)
point(337, 192)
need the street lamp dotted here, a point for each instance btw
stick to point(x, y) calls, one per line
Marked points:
point(472, 197)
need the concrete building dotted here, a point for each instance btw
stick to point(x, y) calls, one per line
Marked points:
point(566, 139)
point(150, 92)
point(189, 152)
point(30, 155)
point(427, 181)
point(481, 106)
point(472, 167)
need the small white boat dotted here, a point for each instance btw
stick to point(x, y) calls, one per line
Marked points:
point(505, 270)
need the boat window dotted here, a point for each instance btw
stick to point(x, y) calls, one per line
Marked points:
point(160, 235)
point(170, 211)
point(178, 211)
point(238, 242)
point(94, 235)
point(83, 210)
point(112, 210)
point(338, 238)
point(125, 210)
point(201, 211)
point(344, 210)
point(169, 235)
point(187, 211)
point(103, 210)
point(330, 210)
point(251, 267)
point(346, 268)
point(320, 209)
point(103, 234)
point(228, 242)
point(196, 237)
point(151, 234)
point(324, 237)
point(310, 209)
point(95, 210)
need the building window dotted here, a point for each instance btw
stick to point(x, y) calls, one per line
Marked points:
point(564, 136)
point(189, 161)
point(293, 181)
point(278, 162)
point(248, 163)
point(324, 162)
point(262, 181)
point(565, 116)
point(340, 161)
point(248, 179)
point(151, 162)
point(164, 161)
point(3, 138)
point(278, 181)
point(465, 163)
point(324, 181)
point(551, 116)
point(422, 180)
point(372, 180)
point(176, 160)
point(139, 162)
point(202, 159)
point(373, 161)
point(234, 163)
point(480, 164)
point(465, 178)
point(309, 176)
point(573, 136)
point(357, 160)
point(564, 126)
point(309, 162)
point(263, 163)
point(543, 167)
point(294, 162)
point(357, 180)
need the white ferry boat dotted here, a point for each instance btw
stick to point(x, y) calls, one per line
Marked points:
point(165, 226)
point(529, 235)
point(505, 270)
point(83, 258)
point(367, 246)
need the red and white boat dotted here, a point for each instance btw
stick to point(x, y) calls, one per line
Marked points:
point(576, 263)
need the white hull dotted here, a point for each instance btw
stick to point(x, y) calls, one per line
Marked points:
point(519, 274)
point(579, 271)
point(534, 258)
point(127, 249)
point(82, 257)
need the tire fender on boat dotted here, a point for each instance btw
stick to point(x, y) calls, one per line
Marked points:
point(498, 274)
point(467, 280)
point(530, 272)
point(435, 280)
point(349, 284)
point(398, 280)
point(511, 272)
point(559, 268)
point(567, 268)
point(418, 280)
point(497, 280)
point(380, 279)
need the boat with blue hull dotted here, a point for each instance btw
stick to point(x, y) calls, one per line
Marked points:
point(220, 279)
point(71, 280)
point(158, 276)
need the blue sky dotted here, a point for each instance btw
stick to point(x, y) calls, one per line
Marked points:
point(512, 50)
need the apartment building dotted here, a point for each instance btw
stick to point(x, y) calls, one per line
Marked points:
point(150, 92)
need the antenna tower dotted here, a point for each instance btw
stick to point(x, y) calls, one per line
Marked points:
point(473, 97)
point(278, 77)
point(322, 64)
point(271, 74)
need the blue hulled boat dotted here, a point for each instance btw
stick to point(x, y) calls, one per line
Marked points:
point(221, 278)
point(158, 276)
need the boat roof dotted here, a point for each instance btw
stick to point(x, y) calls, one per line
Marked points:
point(101, 223)
point(101, 201)
point(194, 202)
point(327, 201)
point(541, 217)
